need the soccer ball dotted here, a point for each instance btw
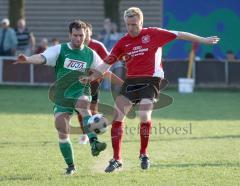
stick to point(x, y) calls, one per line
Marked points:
point(97, 124)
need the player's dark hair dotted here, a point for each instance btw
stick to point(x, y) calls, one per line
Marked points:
point(88, 25)
point(77, 24)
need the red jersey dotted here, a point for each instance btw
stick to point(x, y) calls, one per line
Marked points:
point(142, 54)
point(98, 47)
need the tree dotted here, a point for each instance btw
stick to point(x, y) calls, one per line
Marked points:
point(16, 10)
point(111, 9)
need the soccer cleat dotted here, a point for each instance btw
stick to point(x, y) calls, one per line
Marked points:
point(83, 139)
point(145, 162)
point(70, 170)
point(97, 147)
point(113, 165)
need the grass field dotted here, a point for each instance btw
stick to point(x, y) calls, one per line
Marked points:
point(195, 141)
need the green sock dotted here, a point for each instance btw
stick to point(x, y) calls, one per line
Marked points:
point(90, 135)
point(67, 151)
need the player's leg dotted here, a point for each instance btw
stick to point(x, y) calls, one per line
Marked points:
point(148, 95)
point(95, 92)
point(82, 106)
point(80, 120)
point(62, 120)
point(94, 107)
point(83, 138)
point(122, 107)
point(145, 112)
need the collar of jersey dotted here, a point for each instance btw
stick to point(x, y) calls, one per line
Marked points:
point(69, 46)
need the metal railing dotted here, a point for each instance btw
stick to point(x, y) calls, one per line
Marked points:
point(206, 73)
point(31, 73)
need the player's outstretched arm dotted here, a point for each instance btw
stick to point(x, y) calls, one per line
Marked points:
point(212, 40)
point(95, 73)
point(34, 59)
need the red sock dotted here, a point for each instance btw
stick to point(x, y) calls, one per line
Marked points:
point(117, 134)
point(80, 120)
point(145, 129)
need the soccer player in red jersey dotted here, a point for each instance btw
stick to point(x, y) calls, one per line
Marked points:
point(141, 49)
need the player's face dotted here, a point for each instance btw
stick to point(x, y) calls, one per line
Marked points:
point(77, 38)
point(134, 25)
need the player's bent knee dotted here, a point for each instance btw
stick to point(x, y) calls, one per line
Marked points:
point(146, 105)
point(61, 124)
point(145, 115)
point(118, 115)
point(83, 105)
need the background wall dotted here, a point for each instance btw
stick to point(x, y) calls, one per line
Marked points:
point(206, 18)
point(51, 18)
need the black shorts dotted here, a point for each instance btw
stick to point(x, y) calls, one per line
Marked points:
point(135, 89)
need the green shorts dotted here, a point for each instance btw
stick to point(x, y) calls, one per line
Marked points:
point(68, 108)
point(57, 108)
point(66, 96)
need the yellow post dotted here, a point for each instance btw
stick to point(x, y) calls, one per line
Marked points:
point(191, 59)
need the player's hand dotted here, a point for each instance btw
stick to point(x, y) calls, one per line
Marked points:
point(211, 40)
point(21, 59)
point(85, 80)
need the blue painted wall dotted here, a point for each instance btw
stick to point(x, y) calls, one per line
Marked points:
point(205, 18)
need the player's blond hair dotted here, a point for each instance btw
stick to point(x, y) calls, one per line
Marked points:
point(133, 11)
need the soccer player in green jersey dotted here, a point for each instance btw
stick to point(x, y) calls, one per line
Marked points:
point(70, 60)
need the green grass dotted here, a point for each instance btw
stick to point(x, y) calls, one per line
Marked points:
point(208, 153)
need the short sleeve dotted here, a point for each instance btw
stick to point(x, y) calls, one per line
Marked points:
point(51, 55)
point(97, 62)
point(102, 51)
point(115, 53)
point(165, 36)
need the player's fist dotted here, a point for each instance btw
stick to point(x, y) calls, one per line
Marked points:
point(212, 40)
point(21, 59)
point(84, 80)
